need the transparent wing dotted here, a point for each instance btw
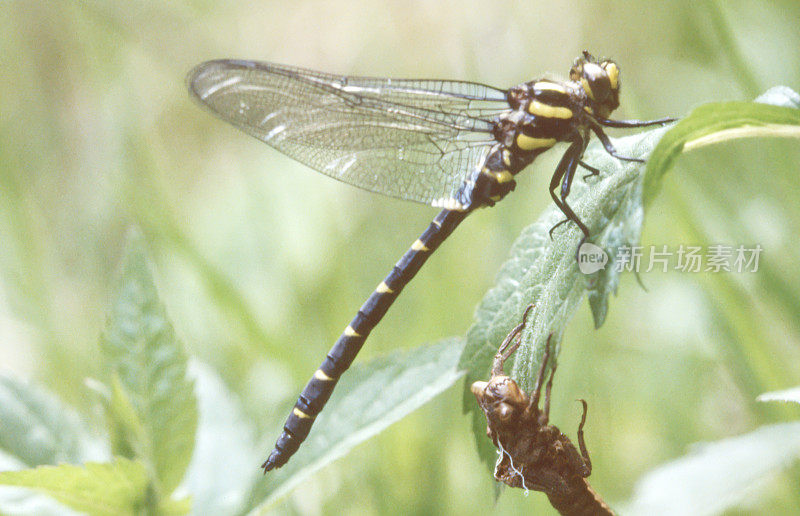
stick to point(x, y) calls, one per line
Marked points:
point(412, 139)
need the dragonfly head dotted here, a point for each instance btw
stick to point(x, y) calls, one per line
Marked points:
point(600, 80)
point(501, 399)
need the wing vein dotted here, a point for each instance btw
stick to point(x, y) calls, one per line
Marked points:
point(413, 139)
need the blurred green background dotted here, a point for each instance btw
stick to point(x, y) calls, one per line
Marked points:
point(262, 262)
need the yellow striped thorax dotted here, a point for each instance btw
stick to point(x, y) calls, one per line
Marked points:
point(540, 109)
point(500, 176)
point(529, 143)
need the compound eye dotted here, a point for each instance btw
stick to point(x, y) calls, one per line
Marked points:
point(595, 82)
point(504, 411)
point(612, 71)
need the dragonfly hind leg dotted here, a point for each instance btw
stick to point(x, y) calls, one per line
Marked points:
point(563, 176)
point(593, 171)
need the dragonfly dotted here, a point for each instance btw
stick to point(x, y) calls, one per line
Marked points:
point(533, 453)
point(454, 145)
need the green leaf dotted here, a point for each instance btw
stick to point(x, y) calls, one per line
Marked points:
point(788, 395)
point(169, 507)
point(717, 476)
point(127, 433)
point(368, 399)
point(545, 272)
point(773, 114)
point(38, 429)
point(225, 442)
point(153, 411)
point(110, 489)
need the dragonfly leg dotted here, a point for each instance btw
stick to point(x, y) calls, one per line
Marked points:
point(581, 442)
point(563, 177)
point(537, 390)
point(549, 387)
point(609, 147)
point(503, 353)
point(627, 124)
point(593, 171)
point(556, 226)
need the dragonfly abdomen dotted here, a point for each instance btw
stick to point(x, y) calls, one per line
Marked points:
point(320, 387)
point(579, 499)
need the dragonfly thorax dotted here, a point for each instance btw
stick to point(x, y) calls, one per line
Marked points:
point(544, 112)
